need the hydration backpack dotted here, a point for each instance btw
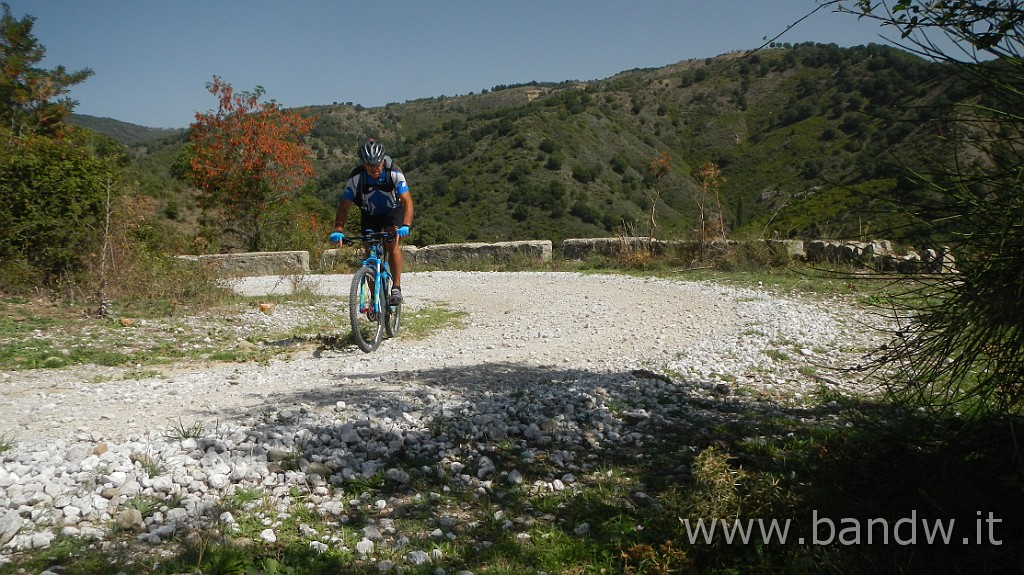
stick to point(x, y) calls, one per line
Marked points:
point(387, 188)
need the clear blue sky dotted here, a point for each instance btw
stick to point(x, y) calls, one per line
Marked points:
point(153, 58)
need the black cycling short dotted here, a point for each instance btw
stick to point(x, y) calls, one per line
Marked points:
point(379, 222)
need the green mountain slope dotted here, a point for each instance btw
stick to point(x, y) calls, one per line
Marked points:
point(124, 132)
point(809, 139)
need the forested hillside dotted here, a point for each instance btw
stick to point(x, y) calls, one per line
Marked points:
point(811, 140)
point(128, 134)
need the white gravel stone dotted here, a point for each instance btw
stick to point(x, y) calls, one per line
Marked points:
point(418, 558)
point(364, 547)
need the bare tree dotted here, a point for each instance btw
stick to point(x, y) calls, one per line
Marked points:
point(709, 178)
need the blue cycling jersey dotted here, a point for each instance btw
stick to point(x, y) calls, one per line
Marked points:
point(379, 195)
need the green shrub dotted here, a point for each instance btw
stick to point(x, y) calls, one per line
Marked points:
point(55, 195)
point(752, 256)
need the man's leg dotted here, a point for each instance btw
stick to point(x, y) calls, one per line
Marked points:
point(395, 257)
point(394, 219)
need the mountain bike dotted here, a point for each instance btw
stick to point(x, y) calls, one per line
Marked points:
point(369, 308)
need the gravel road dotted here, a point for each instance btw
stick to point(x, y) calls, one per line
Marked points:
point(567, 367)
point(521, 329)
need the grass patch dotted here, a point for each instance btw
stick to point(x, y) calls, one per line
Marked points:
point(6, 442)
point(36, 335)
point(181, 430)
point(427, 320)
point(776, 354)
point(242, 498)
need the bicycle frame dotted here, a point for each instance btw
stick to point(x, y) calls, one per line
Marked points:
point(377, 258)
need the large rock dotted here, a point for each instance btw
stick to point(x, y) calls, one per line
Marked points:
point(10, 523)
point(793, 248)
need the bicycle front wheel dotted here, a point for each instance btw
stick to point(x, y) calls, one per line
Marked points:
point(367, 321)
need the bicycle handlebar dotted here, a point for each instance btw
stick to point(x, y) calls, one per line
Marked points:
point(369, 237)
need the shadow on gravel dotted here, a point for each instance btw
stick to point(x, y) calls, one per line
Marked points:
point(504, 468)
point(611, 464)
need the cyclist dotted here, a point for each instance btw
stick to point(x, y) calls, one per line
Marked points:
point(380, 190)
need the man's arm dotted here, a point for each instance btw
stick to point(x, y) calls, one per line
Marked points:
point(342, 215)
point(407, 209)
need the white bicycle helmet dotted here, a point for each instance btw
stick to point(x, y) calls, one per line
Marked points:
point(371, 152)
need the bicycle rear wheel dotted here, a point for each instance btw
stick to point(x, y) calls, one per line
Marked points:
point(367, 324)
point(392, 312)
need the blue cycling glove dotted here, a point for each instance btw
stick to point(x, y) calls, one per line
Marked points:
point(336, 237)
point(403, 231)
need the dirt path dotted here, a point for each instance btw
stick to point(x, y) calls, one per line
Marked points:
point(563, 321)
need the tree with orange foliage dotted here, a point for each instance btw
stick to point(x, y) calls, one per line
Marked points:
point(248, 159)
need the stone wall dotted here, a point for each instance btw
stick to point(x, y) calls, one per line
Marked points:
point(502, 252)
point(878, 255)
point(254, 263)
point(442, 255)
point(575, 249)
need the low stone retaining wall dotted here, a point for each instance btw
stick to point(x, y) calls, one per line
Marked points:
point(878, 255)
point(575, 249)
point(444, 254)
point(502, 252)
point(581, 248)
point(254, 263)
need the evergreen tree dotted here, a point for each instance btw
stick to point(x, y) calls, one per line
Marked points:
point(32, 99)
point(54, 180)
point(961, 347)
